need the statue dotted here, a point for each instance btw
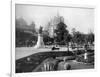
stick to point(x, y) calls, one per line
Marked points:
point(40, 42)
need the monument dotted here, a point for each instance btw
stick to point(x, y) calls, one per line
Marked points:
point(40, 42)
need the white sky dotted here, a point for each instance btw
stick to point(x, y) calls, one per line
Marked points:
point(81, 19)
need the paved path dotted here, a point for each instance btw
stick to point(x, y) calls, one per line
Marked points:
point(26, 51)
point(21, 52)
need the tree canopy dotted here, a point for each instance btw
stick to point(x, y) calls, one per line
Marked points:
point(61, 32)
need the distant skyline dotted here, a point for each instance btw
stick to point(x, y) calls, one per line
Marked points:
point(79, 18)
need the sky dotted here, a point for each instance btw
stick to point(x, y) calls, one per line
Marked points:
point(82, 19)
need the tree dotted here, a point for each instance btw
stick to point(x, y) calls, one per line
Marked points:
point(78, 37)
point(61, 32)
point(40, 29)
point(45, 36)
point(90, 37)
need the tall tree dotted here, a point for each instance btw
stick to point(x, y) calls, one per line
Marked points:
point(90, 37)
point(61, 31)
